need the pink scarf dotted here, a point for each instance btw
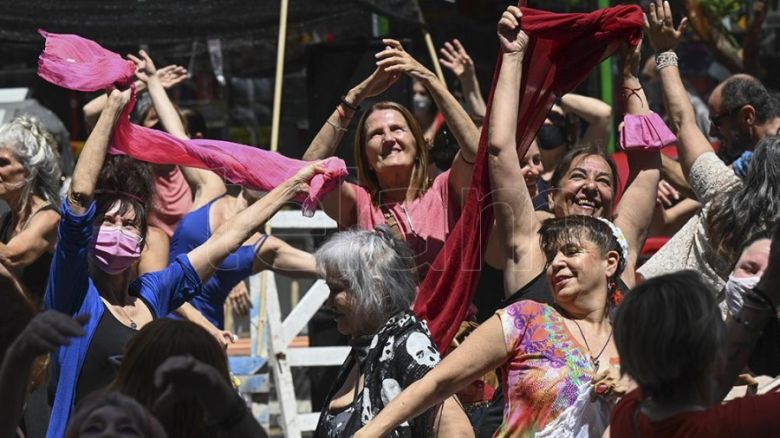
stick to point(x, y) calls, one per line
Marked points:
point(79, 64)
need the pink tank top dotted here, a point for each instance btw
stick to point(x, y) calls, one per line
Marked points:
point(425, 222)
point(173, 200)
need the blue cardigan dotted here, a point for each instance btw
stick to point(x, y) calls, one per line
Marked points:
point(71, 291)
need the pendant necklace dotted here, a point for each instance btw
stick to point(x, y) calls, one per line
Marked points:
point(133, 325)
point(593, 359)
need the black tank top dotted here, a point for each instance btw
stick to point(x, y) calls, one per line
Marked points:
point(104, 355)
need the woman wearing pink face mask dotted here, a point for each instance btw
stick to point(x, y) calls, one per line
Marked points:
point(90, 270)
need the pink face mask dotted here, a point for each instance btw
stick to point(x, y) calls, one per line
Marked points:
point(114, 249)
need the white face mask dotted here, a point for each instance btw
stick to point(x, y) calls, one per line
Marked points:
point(736, 288)
point(421, 104)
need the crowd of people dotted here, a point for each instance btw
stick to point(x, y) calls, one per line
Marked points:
point(114, 286)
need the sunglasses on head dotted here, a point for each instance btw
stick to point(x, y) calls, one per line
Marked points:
point(716, 119)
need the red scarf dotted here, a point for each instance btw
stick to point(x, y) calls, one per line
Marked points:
point(562, 51)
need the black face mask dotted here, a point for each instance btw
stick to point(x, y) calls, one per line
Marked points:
point(551, 136)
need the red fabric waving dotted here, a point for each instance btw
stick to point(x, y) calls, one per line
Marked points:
point(562, 51)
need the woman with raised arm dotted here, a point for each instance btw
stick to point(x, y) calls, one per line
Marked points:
point(549, 355)
point(29, 184)
point(392, 158)
point(99, 239)
point(212, 206)
point(733, 209)
point(584, 182)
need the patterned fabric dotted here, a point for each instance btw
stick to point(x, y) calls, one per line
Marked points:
point(542, 378)
point(399, 355)
point(690, 248)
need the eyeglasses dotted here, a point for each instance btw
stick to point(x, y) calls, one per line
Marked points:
point(716, 119)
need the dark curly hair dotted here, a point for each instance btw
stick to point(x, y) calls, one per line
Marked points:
point(129, 182)
point(743, 90)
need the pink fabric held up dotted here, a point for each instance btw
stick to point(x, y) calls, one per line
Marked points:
point(562, 51)
point(76, 63)
point(645, 131)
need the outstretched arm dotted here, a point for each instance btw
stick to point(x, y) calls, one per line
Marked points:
point(281, 257)
point(516, 223)
point(205, 184)
point(482, 351)
point(232, 234)
point(635, 212)
point(458, 61)
point(691, 142)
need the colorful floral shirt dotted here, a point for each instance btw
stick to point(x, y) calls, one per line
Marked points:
point(542, 378)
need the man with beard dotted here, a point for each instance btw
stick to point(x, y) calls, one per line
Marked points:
point(742, 113)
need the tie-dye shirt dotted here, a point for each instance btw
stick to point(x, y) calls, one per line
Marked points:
point(541, 379)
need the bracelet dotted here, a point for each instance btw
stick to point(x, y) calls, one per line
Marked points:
point(335, 126)
point(470, 163)
point(665, 59)
point(351, 106)
point(747, 324)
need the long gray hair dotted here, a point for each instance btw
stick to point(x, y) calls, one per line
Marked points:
point(739, 214)
point(375, 267)
point(36, 150)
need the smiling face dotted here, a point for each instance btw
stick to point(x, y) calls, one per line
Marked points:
point(13, 175)
point(753, 260)
point(109, 421)
point(587, 188)
point(389, 141)
point(342, 302)
point(531, 166)
point(577, 268)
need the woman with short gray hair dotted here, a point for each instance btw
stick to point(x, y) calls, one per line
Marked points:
point(372, 285)
point(29, 183)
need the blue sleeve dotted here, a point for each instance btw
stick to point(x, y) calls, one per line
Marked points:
point(168, 289)
point(69, 273)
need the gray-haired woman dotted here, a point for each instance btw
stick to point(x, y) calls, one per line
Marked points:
point(29, 184)
point(372, 286)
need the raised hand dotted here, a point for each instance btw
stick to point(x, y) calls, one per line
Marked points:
point(47, 332)
point(300, 181)
point(394, 59)
point(171, 75)
point(455, 58)
point(630, 58)
point(144, 66)
point(511, 38)
point(659, 26)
